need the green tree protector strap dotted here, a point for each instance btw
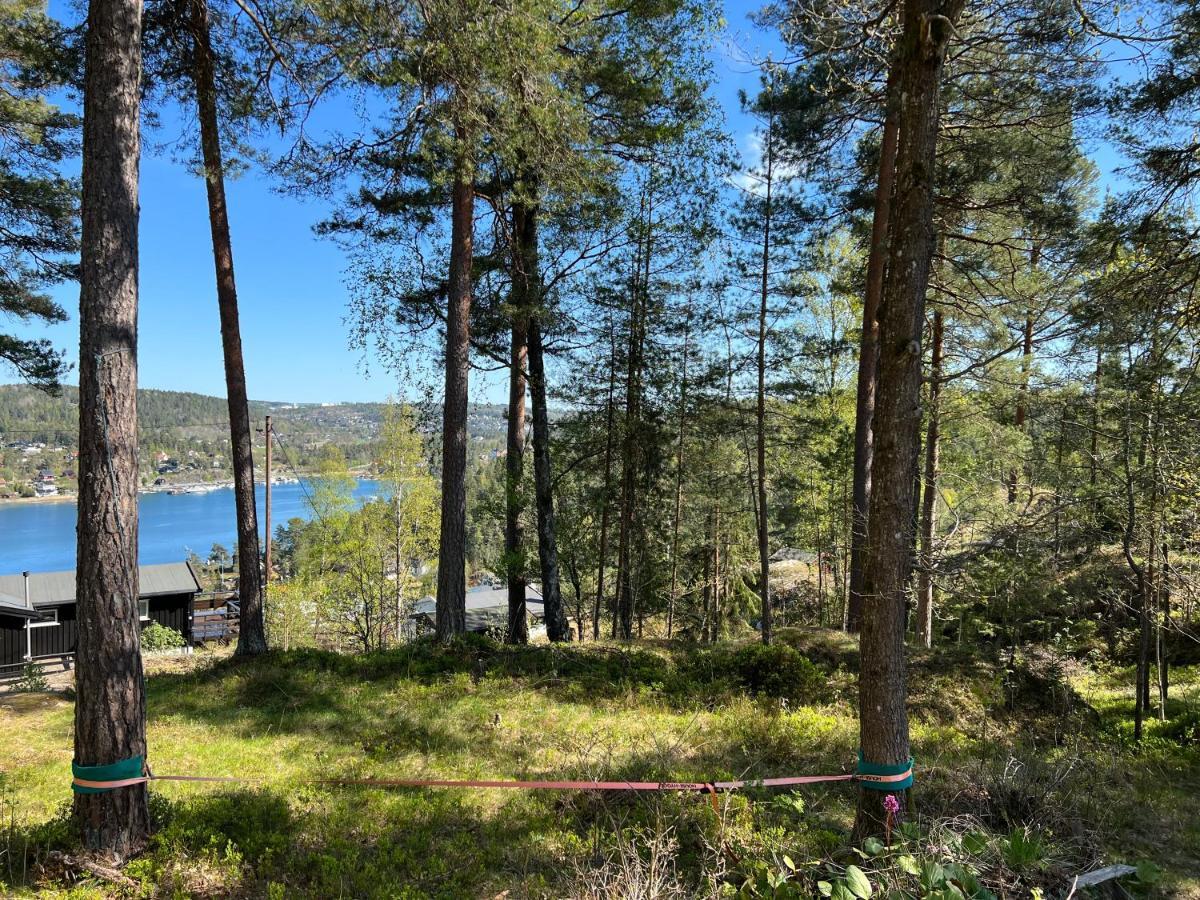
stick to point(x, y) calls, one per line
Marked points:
point(890, 777)
point(122, 771)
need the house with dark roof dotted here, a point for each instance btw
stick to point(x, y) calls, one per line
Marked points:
point(487, 610)
point(38, 619)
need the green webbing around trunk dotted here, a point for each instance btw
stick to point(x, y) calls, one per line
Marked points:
point(870, 768)
point(118, 771)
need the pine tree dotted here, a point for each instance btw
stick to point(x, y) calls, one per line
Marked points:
point(39, 211)
point(110, 705)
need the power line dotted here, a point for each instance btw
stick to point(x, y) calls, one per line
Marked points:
point(303, 487)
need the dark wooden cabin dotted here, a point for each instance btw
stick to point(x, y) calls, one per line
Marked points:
point(38, 620)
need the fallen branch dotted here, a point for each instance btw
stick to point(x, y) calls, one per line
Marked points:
point(78, 864)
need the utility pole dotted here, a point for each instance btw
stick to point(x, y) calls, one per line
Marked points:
point(267, 567)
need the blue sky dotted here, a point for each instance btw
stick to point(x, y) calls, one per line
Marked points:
point(291, 286)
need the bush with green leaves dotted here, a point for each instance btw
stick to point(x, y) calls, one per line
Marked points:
point(32, 680)
point(157, 637)
point(774, 670)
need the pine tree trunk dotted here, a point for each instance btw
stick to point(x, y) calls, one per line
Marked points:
point(925, 580)
point(868, 353)
point(514, 463)
point(252, 638)
point(683, 386)
point(1022, 395)
point(1094, 449)
point(557, 628)
point(630, 456)
point(896, 422)
point(1128, 542)
point(716, 616)
point(110, 701)
point(451, 614)
point(604, 498)
point(514, 475)
point(764, 565)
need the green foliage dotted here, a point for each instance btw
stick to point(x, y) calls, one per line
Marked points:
point(158, 637)
point(39, 214)
point(32, 679)
point(355, 570)
point(1024, 848)
point(776, 671)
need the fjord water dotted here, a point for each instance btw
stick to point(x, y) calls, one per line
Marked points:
point(40, 537)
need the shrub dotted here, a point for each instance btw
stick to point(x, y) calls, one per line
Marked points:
point(1184, 728)
point(32, 680)
point(156, 637)
point(772, 671)
point(776, 671)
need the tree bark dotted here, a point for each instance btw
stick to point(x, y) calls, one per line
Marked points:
point(925, 580)
point(451, 611)
point(927, 27)
point(514, 463)
point(683, 386)
point(631, 455)
point(252, 639)
point(1022, 394)
point(557, 628)
point(764, 565)
point(868, 354)
point(110, 702)
point(604, 499)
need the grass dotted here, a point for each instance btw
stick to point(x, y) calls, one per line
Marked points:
point(999, 750)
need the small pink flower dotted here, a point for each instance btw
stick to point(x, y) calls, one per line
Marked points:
point(891, 804)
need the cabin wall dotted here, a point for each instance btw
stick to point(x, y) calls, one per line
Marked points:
point(12, 642)
point(173, 611)
point(60, 639)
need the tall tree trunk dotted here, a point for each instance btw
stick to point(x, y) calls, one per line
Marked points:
point(925, 580)
point(1164, 610)
point(1022, 394)
point(1094, 450)
point(514, 462)
point(110, 700)
point(451, 603)
point(764, 565)
point(526, 237)
point(1128, 542)
point(683, 386)
point(557, 628)
point(927, 27)
point(605, 498)
point(868, 352)
point(631, 455)
point(715, 623)
point(252, 639)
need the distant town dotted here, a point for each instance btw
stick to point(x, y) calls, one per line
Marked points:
point(185, 440)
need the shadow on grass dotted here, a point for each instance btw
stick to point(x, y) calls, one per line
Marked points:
point(301, 690)
point(373, 843)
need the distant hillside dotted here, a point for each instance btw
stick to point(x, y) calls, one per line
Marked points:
point(184, 437)
point(29, 415)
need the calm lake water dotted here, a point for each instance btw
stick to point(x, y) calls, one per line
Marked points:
point(40, 537)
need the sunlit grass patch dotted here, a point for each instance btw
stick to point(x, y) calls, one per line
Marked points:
point(611, 713)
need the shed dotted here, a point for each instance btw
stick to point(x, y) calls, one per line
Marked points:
point(38, 614)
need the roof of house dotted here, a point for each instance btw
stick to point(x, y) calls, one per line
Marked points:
point(15, 606)
point(792, 554)
point(58, 588)
point(486, 599)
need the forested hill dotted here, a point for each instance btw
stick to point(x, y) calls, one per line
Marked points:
point(29, 415)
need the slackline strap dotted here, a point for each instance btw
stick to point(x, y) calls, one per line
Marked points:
point(891, 777)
